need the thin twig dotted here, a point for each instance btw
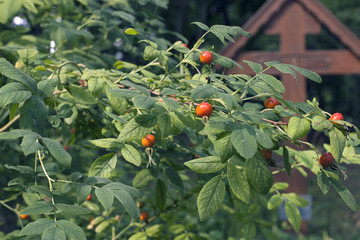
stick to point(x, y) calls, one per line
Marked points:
point(10, 123)
point(274, 122)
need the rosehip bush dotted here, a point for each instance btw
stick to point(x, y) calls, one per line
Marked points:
point(120, 107)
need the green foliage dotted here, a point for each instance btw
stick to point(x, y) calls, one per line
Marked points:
point(80, 130)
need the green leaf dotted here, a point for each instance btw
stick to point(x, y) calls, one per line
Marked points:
point(138, 236)
point(259, 174)
point(53, 233)
point(209, 164)
point(41, 207)
point(120, 186)
point(171, 103)
point(118, 103)
point(263, 139)
point(10, 71)
point(143, 178)
point(71, 209)
point(244, 142)
point(203, 92)
point(160, 194)
point(96, 85)
point(337, 143)
point(323, 182)
point(58, 151)
point(28, 56)
point(307, 73)
point(137, 128)
point(211, 197)
point(37, 227)
point(286, 161)
point(131, 31)
point(293, 215)
point(22, 169)
point(13, 134)
point(154, 230)
point(128, 202)
point(274, 202)
point(81, 94)
point(223, 32)
point(47, 87)
point(174, 178)
point(103, 166)
point(122, 93)
point(320, 124)
point(224, 148)
point(151, 52)
point(105, 197)
point(256, 67)
point(164, 122)
point(238, 182)
point(8, 9)
point(13, 92)
point(298, 127)
point(73, 231)
point(296, 199)
point(176, 124)
point(131, 154)
point(284, 68)
point(345, 194)
point(30, 144)
point(146, 102)
point(273, 82)
point(83, 190)
point(33, 115)
point(106, 142)
point(201, 25)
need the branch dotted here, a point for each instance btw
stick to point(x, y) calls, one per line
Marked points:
point(273, 122)
point(10, 123)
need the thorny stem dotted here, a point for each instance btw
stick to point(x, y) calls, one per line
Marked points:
point(10, 123)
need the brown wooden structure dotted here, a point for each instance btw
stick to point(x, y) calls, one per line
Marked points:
point(292, 20)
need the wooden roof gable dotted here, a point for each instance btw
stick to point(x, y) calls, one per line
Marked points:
point(317, 11)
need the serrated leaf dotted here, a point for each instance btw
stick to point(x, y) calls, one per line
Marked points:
point(47, 87)
point(286, 161)
point(103, 166)
point(209, 164)
point(143, 178)
point(96, 85)
point(164, 122)
point(30, 144)
point(223, 32)
point(102, 226)
point(154, 230)
point(137, 128)
point(33, 115)
point(293, 215)
point(345, 194)
point(128, 202)
point(118, 103)
point(28, 56)
point(174, 178)
point(238, 182)
point(201, 25)
point(13, 92)
point(81, 94)
point(337, 143)
point(122, 93)
point(203, 92)
point(319, 123)
point(274, 202)
point(244, 142)
point(41, 207)
point(37, 227)
point(259, 174)
point(10, 71)
point(22, 169)
point(131, 154)
point(272, 81)
point(263, 139)
point(307, 73)
point(58, 151)
point(323, 182)
point(53, 233)
point(145, 102)
point(151, 52)
point(256, 67)
point(105, 197)
point(72, 209)
point(83, 190)
point(211, 197)
point(298, 127)
point(120, 186)
point(72, 230)
point(171, 103)
point(224, 148)
point(13, 134)
point(138, 236)
point(106, 142)
point(160, 194)
point(296, 199)
point(284, 68)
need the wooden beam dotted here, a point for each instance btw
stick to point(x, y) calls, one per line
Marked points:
point(323, 62)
